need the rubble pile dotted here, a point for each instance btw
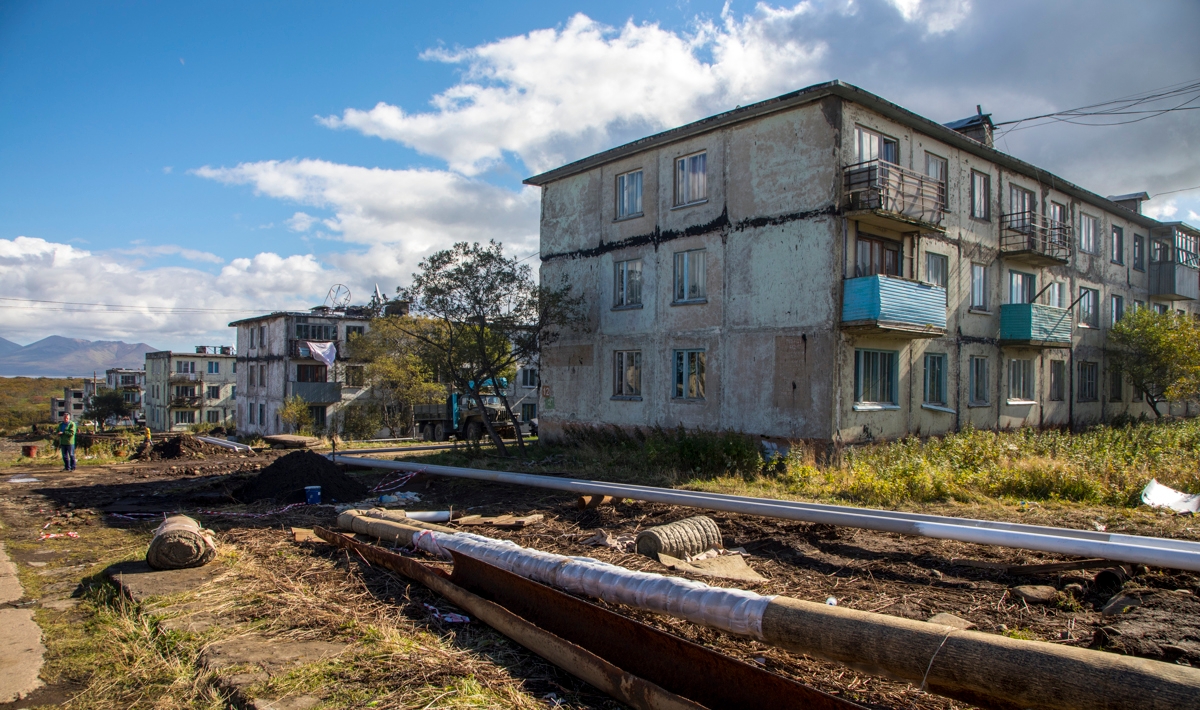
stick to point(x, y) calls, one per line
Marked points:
point(284, 481)
point(178, 447)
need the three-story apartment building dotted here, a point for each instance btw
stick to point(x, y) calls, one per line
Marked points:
point(829, 265)
point(183, 389)
point(286, 354)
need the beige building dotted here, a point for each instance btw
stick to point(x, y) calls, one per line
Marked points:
point(280, 356)
point(183, 389)
point(828, 265)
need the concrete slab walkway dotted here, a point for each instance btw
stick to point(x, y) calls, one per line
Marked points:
point(21, 646)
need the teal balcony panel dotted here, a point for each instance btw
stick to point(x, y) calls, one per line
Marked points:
point(1035, 325)
point(894, 306)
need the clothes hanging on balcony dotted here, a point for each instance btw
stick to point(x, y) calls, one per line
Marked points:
point(325, 352)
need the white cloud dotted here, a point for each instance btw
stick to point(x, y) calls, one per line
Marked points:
point(300, 222)
point(172, 250)
point(34, 268)
point(552, 94)
point(167, 169)
point(938, 16)
point(1164, 210)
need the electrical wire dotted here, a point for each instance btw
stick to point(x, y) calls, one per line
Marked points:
point(1131, 105)
point(47, 305)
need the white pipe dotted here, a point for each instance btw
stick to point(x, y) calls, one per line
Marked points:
point(224, 443)
point(1158, 552)
point(428, 516)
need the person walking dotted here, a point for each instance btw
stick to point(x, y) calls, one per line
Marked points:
point(66, 441)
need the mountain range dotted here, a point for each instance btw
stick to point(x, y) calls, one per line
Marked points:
point(57, 356)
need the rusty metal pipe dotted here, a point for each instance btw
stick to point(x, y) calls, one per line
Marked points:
point(1158, 552)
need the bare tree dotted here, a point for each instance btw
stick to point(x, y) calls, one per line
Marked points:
point(489, 315)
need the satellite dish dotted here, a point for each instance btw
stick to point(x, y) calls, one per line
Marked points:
point(339, 296)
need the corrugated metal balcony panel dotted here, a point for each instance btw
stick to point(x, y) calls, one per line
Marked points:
point(1035, 325)
point(1178, 282)
point(316, 392)
point(886, 305)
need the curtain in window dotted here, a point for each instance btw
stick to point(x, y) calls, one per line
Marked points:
point(691, 184)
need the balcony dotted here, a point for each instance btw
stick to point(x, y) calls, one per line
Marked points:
point(892, 197)
point(185, 402)
point(298, 349)
point(316, 392)
point(1174, 281)
point(1035, 240)
point(184, 377)
point(1035, 325)
point(884, 305)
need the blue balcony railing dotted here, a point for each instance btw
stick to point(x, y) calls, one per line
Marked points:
point(896, 306)
point(1035, 325)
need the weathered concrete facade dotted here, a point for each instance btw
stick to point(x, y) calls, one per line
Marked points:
point(183, 389)
point(275, 362)
point(791, 254)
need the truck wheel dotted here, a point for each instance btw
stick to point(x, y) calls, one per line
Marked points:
point(427, 432)
point(474, 432)
point(439, 432)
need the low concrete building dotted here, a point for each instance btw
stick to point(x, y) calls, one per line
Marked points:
point(286, 354)
point(183, 389)
point(827, 265)
point(130, 383)
point(73, 401)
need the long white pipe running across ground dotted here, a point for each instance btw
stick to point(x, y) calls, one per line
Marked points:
point(1157, 552)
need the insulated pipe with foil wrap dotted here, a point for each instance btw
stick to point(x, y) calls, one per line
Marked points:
point(984, 669)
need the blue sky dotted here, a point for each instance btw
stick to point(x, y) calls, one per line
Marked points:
point(242, 156)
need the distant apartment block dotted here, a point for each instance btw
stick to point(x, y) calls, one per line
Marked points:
point(183, 389)
point(828, 265)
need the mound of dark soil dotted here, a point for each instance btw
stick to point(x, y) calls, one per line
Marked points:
point(178, 447)
point(285, 479)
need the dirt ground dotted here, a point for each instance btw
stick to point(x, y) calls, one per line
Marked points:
point(885, 573)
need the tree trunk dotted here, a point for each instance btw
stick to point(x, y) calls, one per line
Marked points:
point(1153, 403)
point(516, 428)
point(487, 422)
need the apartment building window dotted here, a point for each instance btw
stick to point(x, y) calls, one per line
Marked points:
point(979, 290)
point(233, 391)
point(1089, 227)
point(528, 377)
point(262, 336)
point(629, 194)
point(262, 375)
point(311, 373)
point(212, 416)
point(1116, 387)
point(1058, 223)
point(689, 276)
point(1055, 294)
point(689, 374)
point(937, 269)
point(691, 180)
point(250, 411)
point(188, 417)
point(981, 195)
point(1022, 287)
point(935, 379)
point(213, 392)
point(979, 393)
point(1118, 309)
point(1087, 388)
point(876, 256)
point(627, 283)
point(1118, 245)
point(315, 331)
point(875, 377)
point(1020, 380)
point(318, 415)
point(1139, 253)
point(185, 391)
point(355, 376)
point(1089, 307)
point(251, 336)
point(250, 377)
point(1137, 395)
point(935, 168)
point(1138, 305)
point(528, 411)
point(870, 145)
point(1020, 206)
point(262, 414)
point(185, 366)
point(355, 331)
point(214, 367)
point(1058, 380)
point(1161, 308)
point(627, 373)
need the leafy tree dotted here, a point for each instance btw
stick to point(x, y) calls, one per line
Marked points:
point(1159, 353)
point(105, 405)
point(399, 375)
point(296, 415)
point(481, 314)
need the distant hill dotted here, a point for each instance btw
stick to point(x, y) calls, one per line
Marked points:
point(57, 356)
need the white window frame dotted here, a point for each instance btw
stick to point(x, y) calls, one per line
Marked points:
point(871, 145)
point(979, 287)
point(942, 269)
point(1022, 286)
point(981, 196)
point(627, 374)
point(1022, 383)
point(690, 368)
point(627, 283)
point(690, 271)
point(691, 179)
point(1089, 230)
point(528, 377)
point(980, 394)
point(875, 379)
point(629, 194)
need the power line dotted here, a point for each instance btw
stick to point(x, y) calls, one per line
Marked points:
point(1172, 192)
point(1131, 105)
point(123, 307)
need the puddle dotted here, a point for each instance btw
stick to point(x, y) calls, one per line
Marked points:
point(24, 479)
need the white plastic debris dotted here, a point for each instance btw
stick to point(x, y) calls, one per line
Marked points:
point(1156, 495)
point(831, 601)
